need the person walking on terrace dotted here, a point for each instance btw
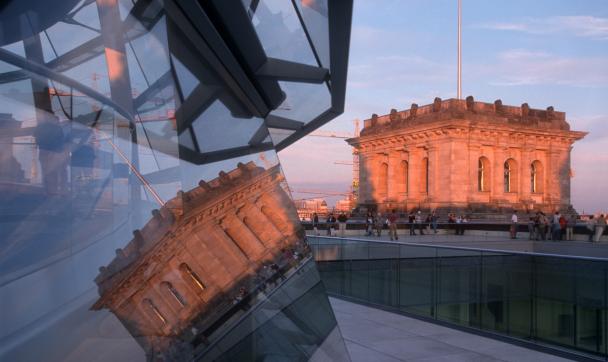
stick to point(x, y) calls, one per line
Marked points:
point(342, 223)
point(600, 225)
point(392, 225)
point(513, 228)
point(315, 223)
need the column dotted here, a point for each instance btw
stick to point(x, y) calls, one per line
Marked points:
point(434, 173)
point(394, 176)
point(498, 188)
point(525, 175)
point(473, 172)
point(364, 196)
point(415, 160)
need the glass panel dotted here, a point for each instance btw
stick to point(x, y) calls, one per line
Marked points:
point(416, 279)
point(143, 211)
point(314, 13)
point(280, 31)
point(278, 135)
point(304, 102)
point(555, 300)
point(458, 288)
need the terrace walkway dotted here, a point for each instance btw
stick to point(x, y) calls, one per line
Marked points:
point(375, 335)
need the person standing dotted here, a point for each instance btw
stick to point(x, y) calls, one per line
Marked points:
point(418, 220)
point(342, 223)
point(543, 225)
point(330, 223)
point(379, 224)
point(562, 227)
point(555, 226)
point(411, 218)
point(434, 219)
point(591, 227)
point(315, 223)
point(570, 224)
point(600, 225)
point(369, 224)
point(513, 228)
point(531, 235)
point(392, 225)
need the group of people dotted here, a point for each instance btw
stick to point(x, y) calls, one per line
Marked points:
point(559, 227)
point(540, 225)
point(457, 222)
point(334, 226)
point(596, 227)
point(549, 227)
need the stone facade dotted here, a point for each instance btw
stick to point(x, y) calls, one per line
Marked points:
point(180, 272)
point(462, 154)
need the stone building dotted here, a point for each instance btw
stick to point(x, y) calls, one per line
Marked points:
point(466, 155)
point(179, 274)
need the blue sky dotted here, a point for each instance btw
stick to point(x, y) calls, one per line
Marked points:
point(547, 52)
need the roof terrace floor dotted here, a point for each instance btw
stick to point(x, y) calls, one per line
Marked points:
point(376, 335)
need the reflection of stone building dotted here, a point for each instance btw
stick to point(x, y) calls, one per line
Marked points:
point(181, 270)
point(466, 154)
point(10, 169)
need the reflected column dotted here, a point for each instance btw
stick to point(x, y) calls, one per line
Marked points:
point(242, 236)
point(120, 87)
point(260, 224)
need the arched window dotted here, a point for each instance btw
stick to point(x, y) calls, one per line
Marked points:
point(383, 181)
point(153, 310)
point(536, 177)
point(404, 176)
point(170, 289)
point(191, 276)
point(510, 175)
point(424, 187)
point(483, 174)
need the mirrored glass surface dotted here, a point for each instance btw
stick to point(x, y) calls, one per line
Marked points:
point(143, 211)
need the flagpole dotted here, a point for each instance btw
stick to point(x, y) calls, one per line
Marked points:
point(459, 76)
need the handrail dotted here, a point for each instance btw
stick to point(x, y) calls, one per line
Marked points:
point(465, 248)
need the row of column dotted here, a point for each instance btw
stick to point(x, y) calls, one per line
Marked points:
point(397, 176)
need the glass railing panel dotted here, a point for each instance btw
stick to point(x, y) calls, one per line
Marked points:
point(555, 300)
point(458, 286)
point(518, 271)
point(416, 279)
point(590, 313)
point(383, 273)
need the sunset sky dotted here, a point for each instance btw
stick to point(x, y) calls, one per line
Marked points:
point(545, 52)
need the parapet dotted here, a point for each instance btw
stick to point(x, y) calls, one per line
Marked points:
point(441, 110)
